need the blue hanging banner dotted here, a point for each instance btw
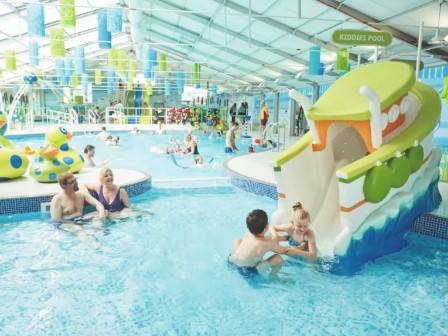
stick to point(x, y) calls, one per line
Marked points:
point(68, 70)
point(84, 82)
point(314, 61)
point(180, 81)
point(152, 63)
point(146, 65)
point(80, 60)
point(138, 29)
point(60, 70)
point(114, 20)
point(33, 47)
point(104, 36)
point(213, 89)
point(111, 81)
point(36, 20)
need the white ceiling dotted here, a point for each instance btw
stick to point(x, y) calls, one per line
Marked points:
point(237, 46)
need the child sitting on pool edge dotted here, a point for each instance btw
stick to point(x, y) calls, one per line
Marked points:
point(247, 255)
point(298, 234)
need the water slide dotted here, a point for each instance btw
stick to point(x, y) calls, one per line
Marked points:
point(23, 89)
point(12, 107)
point(367, 167)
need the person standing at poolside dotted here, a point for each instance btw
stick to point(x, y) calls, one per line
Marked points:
point(233, 111)
point(230, 138)
point(67, 207)
point(264, 116)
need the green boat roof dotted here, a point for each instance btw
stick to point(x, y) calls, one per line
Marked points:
point(424, 123)
point(390, 80)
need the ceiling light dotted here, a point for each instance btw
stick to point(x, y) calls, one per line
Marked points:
point(261, 84)
point(437, 39)
point(277, 81)
point(299, 75)
point(328, 68)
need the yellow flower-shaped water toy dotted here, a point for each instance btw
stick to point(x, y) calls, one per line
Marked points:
point(59, 137)
point(46, 167)
point(27, 150)
point(13, 164)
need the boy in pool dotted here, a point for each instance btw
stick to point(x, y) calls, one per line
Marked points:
point(248, 253)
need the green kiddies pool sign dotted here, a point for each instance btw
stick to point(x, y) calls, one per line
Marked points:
point(355, 37)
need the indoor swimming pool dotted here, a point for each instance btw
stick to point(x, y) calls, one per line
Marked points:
point(144, 152)
point(164, 272)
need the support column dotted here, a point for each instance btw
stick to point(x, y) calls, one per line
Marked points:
point(276, 106)
point(292, 106)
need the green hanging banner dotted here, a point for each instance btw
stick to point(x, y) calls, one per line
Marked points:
point(162, 63)
point(148, 88)
point(10, 60)
point(113, 58)
point(133, 66)
point(74, 82)
point(68, 15)
point(353, 37)
point(196, 73)
point(122, 62)
point(57, 45)
point(343, 60)
point(98, 77)
point(444, 94)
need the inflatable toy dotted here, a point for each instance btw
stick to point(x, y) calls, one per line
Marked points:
point(30, 79)
point(59, 137)
point(27, 150)
point(13, 164)
point(367, 168)
point(46, 167)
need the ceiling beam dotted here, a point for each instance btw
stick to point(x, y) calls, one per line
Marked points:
point(198, 37)
point(285, 28)
point(49, 25)
point(247, 72)
point(376, 24)
point(192, 50)
point(205, 20)
point(184, 56)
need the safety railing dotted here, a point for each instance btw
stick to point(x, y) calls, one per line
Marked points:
point(91, 117)
point(276, 132)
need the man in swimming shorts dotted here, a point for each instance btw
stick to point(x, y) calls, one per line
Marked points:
point(67, 207)
point(247, 255)
point(230, 138)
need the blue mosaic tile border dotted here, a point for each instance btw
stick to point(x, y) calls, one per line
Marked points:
point(427, 224)
point(11, 206)
point(431, 225)
point(252, 186)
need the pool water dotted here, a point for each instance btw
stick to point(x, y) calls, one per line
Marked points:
point(142, 152)
point(165, 273)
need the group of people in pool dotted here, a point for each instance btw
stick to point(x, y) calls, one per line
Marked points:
point(68, 206)
point(190, 146)
point(248, 253)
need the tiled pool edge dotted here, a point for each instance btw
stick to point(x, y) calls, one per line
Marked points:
point(10, 206)
point(426, 224)
point(252, 186)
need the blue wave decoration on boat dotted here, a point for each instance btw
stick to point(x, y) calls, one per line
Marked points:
point(388, 239)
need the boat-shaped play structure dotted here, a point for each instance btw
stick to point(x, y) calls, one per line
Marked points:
point(367, 167)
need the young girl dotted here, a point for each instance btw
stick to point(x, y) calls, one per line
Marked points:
point(298, 234)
